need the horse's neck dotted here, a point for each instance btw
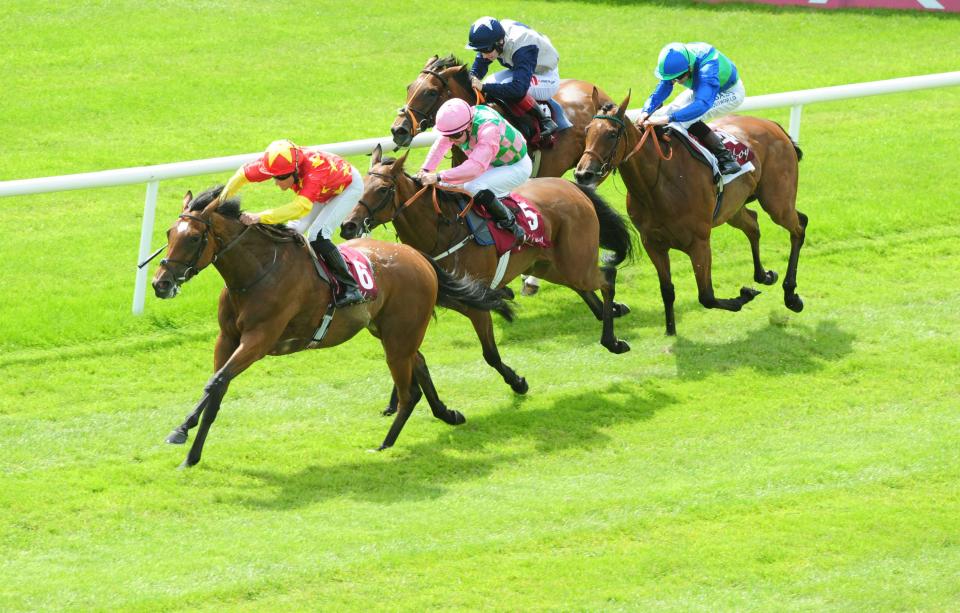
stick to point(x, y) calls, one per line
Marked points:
point(643, 171)
point(420, 227)
point(248, 259)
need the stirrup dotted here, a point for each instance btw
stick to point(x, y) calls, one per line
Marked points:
point(548, 127)
point(349, 297)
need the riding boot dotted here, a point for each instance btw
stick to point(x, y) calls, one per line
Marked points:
point(501, 214)
point(349, 290)
point(547, 125)
point(725, 161)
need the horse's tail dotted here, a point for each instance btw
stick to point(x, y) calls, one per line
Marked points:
point(614, 231)
point(796, 147)
point(457, 291)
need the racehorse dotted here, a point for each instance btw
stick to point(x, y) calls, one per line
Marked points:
point(672, 200)
point(577, 222)
point(274, 301)
point(445, 78)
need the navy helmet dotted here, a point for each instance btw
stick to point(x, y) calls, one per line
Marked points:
point(485, 33)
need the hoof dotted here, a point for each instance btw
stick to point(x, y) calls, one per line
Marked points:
point(456, 418)
point(176, 438)
point(619, 347)
point(185, 464)
point(520, 386)
point(508, 293)
point(529, 289)
point(389, 411)
point(748, 293)
point(768, 278)
point(620, 309)
point(384, 447)
point(793, 302)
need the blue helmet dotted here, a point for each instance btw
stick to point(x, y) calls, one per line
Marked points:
point(675, 59)
point(485, 33)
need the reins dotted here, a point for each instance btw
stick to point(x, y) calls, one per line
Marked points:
point(426, 120)
point(606, 163)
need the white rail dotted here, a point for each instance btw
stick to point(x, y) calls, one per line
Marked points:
point(152, 175)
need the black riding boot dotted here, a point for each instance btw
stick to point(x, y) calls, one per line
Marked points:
point(501, 214)
point(349, 291)
point(547, 125)
point(725, 161)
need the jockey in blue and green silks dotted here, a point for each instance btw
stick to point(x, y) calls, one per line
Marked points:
point(713, 89)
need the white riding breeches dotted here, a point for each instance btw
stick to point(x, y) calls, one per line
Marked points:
point(501, 180)
point(325, 218)
point(725, 103)
point(542, 86)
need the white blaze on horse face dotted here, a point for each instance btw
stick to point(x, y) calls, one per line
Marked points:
point(183, 227)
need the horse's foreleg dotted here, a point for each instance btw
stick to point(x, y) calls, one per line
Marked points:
point(660, 256)
point(251, 348)
point(797, 236)
point(609, 289)
point(483, 326)
point(224, 348)
point(701, 258)
point(440, 410)
point(745, 220)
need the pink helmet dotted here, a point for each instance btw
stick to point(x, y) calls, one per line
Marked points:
point(453, 116)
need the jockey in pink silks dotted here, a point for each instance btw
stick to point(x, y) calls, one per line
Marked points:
point(497, 160)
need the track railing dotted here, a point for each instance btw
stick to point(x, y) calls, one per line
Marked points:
point(152, 175)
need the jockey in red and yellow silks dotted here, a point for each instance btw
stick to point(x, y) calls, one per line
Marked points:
point(327, 188)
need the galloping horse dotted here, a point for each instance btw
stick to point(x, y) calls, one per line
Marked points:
point(672, 201)
point(274, 302)
point(577, 222)
point(444, 78)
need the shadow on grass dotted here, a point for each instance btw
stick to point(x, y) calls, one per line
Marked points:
point(472, 451)
point(773, 350)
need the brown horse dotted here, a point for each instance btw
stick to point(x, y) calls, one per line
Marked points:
point(577, 221)
point(672, 201)
point(274, 302)
point(444, 78)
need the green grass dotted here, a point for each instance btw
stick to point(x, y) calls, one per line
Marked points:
point(762, 460)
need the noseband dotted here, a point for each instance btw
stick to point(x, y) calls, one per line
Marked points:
point(606, 163)
point(190, 269)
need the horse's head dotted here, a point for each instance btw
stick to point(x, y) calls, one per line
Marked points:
point(440, 80)
point(383, 188)
point(192, 240)
point(605, 145)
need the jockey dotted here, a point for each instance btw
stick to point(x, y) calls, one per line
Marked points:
point(497, 160)
point(327, 188)
point(713, 89)
point(531, 63)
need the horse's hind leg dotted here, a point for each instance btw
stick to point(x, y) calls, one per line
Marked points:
point(745, 220)
point(483, 326)
point(790, 296)
point(402, 371)
point(440, 410)
point(596, 305)
point(702, 260)
point(781, 206)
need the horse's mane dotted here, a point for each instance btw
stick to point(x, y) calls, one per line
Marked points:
point(461, 76)
point(230, 208)
point(606, 108)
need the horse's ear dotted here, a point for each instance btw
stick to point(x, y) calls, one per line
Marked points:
point(596, 99)
point(187, 199)
point(401, 161)
point(431, 60)
point(376, 155)
point(624, 105)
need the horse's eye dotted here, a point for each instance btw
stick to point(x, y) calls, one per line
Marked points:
point(432, 93)
point(194, 239)
point(611, 135)
point(382, 189)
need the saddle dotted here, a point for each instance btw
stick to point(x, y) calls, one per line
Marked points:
point(527, 124)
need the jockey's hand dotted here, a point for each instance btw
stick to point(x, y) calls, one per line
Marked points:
point(428, 178)
point(249, 219)
point(642, 117)
point(476, 83)
point(658, 120)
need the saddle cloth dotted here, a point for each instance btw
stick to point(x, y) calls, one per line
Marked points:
point(360, 269)
point(528, 217)
point(743, 154)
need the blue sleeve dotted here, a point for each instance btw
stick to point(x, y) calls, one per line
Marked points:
point(524, 63)
point(706, 88)
point(480, 66)
point(661, 93)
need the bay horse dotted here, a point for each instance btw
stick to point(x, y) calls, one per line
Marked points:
point(444, 78)
point(577, 221)
point(672, 200)
point(274, 301)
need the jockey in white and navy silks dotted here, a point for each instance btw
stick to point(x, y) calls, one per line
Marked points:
point(713, 87)
point(497, 160)
point(532, 66)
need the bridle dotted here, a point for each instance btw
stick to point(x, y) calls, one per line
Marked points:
point(426, 118)
point(606, 163)
point(388, 196)
point(190, 269)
